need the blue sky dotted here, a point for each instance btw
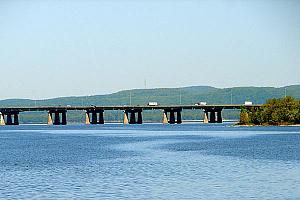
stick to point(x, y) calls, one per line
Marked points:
point(86, 47)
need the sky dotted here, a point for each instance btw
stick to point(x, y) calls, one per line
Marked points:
point(54, 48)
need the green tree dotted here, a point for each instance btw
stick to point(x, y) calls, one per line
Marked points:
point(275, 112)
point(244, 117)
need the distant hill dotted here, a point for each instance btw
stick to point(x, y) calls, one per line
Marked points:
point(189, 95)
point(165, 96)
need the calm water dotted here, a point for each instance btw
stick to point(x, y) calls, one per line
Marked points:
point(154, 161)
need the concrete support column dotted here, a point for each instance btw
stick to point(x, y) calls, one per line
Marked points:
point(179, 120)
point(165, 117)
point(94, 117)
point(56, 118)
point(9, 119)
point(50, 120)
point(125, 120)
point(212, 117)
point(64, 117)
point(2, 121)
point(140, 117)
point(132, 118)
point(219, 116)
point(87, 118)
point(16, 119)
point(101, 117)
point(205, 119)
point(172, 117)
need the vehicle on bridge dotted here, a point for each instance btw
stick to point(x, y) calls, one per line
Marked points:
point(248, 103)
point(153, 103)
point(202, 103)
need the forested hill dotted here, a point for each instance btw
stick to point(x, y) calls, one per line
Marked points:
point(185, 95)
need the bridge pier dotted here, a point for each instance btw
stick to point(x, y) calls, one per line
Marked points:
point(125, 120)
point(179, 120)
point(57, 119)
point(165, 117)
point(131, 118)
point(2, 121)
point(205, 119)
point(12, 118)
point(215, 116)
point(8, 119)
point(64, 118)
point(16, 119)
point(172, 117)
point(87, 118)
point(212, 117)
point(97, 117)
point(50, 121)
point(140, 117)
point(219, 116)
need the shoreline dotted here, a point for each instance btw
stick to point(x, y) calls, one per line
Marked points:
point(250, 125)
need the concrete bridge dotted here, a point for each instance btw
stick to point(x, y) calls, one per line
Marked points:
point(57, 115)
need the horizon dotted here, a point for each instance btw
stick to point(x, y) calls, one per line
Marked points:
point(82, 48)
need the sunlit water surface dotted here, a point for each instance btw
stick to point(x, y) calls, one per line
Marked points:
point(149, 161)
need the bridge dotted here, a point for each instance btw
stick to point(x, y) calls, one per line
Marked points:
point(171, 114)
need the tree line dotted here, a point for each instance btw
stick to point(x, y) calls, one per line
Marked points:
point(282, 111)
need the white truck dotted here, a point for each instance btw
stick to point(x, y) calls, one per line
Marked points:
point(202, 103)
point(153, 103)
point(248, 103)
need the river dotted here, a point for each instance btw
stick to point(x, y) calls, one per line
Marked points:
point(149, 161)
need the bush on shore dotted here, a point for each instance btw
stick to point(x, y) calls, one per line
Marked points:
point(283, 111)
